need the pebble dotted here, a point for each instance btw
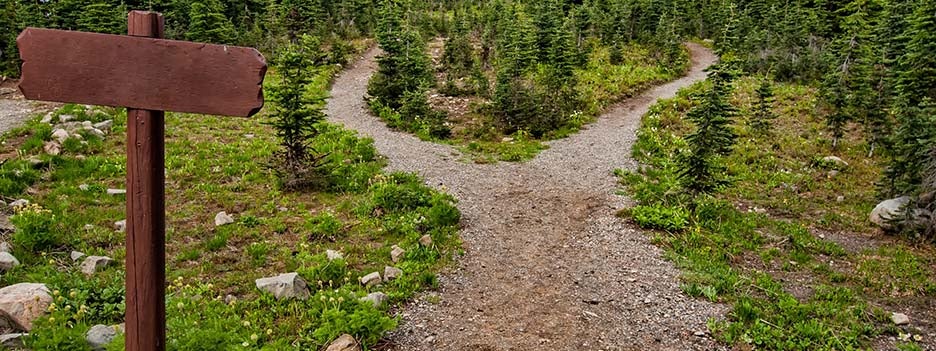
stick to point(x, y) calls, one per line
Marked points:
point(99, 336)
point(18, 203)
point(391, 273)
point(84, 187)
point(425, 240)
point(396, 254)
point(900, 318)
point(371, 279)
point(7, 261)
point(76, 255)
point(93, 264)
point(376, 298)
point(116, 191)
point(222, 218)
point(120, 225)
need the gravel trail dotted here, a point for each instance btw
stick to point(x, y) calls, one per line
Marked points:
point(547, 266)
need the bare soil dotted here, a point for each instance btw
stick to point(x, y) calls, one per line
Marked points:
point(547, 265)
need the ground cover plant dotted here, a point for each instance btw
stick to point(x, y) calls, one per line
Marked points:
point(218, 164)
point(787, 244)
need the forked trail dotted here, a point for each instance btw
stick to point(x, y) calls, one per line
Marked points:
point(547, 266)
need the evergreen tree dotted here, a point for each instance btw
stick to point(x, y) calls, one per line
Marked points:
point(909, 147)
point(699, 168)
point(103, 17)
point(917, 66)
point(208, 23)
point(762, 120)
point(294, 114)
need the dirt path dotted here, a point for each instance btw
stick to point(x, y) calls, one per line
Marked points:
point(14, 110)
point(547, 266)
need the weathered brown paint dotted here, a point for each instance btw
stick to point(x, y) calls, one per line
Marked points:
point(146, 212)
point(143, 73)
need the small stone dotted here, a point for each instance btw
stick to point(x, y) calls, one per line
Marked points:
point(52, 148)
point(900, 318)
point(834, 161)
point(7, 261)
point(96, 132)
point(396, 255)
point(100, 335)
point(284, 286)
point(105, 125)
point(371, 279)
point(89, 227)
point(120, 225)
point(248, 136)
point(699, 333)
point(333, 255)
point(344, 342)
point(84, 187)
point(47, 118)
point(13, 341)
point(19, 203)
point(21, 304)
point(425, 240)
point(5, 247)
point(222, 218)
point(60, 135)
point(507, 139)
point(87, 124)
point(376, 298)
point(833, 173)
point(391, 273)
point(93, 264)
point(116, 191)
point(230, 299)
point(840, 198)
point(66, 118)
point(76, 255)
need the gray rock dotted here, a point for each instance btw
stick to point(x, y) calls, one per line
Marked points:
point(77, 255)
point(900, 318)
point(344, 343)
point(105, 125)
point(834, 161)
point(66, 118)
point(6, 226)
point(93, 264)
point(120, 225)
point(60, 135)
point(19, 203)
point(96, 132)
point(84, 187)
point(840, 198)
point(89, 227)
point(7, 261)
point(222, 218)
point(376, 298)
point(391, 273)
point(47, 118)
point(21, 304)
point(116, 191)
point(396, 255)
point(12, 341)
point(371, 279)
point(425, 240)
point(52, 148)
point(284, 286)
point(887, 210)
point(100, 335)
point(333, 255)
point(833, 173)
point(5, 247)
point(87, 124)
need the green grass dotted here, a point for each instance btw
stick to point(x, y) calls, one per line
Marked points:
point(220, 164)
point(742, 246)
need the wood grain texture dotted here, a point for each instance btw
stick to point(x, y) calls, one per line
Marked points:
point(143, 73)
point(146, 213)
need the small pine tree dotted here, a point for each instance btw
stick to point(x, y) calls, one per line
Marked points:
point(762, 120)
point(208, 23)
point(294, 115)
point(713, 138)
point(910, 144)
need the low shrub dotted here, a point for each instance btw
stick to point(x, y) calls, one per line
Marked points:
point(671, 219)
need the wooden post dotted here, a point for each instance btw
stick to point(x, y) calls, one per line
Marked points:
point(146, 214)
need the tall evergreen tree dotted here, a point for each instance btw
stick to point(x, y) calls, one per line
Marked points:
point(103, 17)
point(208, 23)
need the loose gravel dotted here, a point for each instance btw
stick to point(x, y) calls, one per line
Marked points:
point(547, 265)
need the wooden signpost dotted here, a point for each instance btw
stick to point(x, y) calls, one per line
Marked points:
point(147, 75)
